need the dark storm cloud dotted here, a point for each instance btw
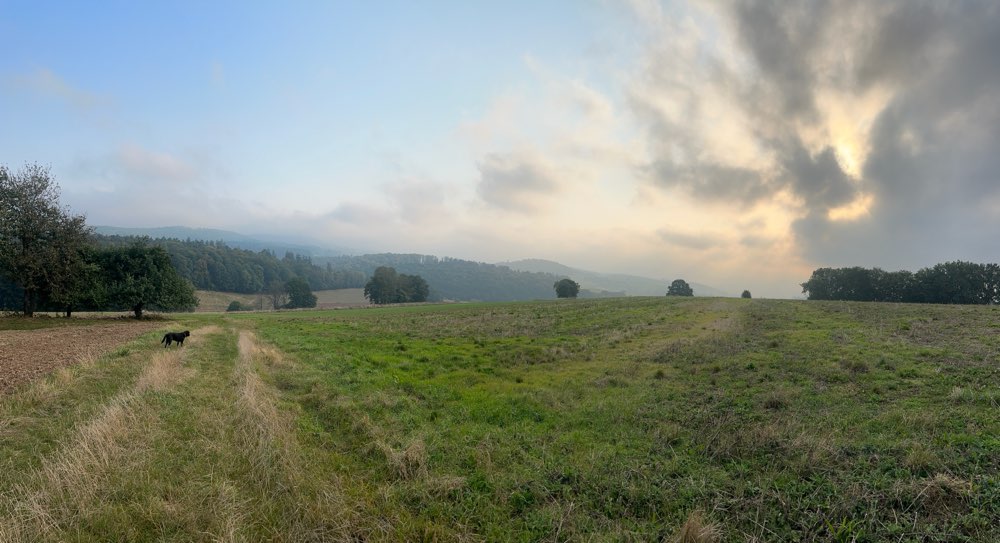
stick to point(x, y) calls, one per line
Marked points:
point(932, 167)
point(781, 37)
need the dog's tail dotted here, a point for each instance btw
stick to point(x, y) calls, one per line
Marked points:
point(164, 340)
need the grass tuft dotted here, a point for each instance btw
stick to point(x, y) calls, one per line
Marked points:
point(696, 529)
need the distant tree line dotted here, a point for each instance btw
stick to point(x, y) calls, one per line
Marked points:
point(455, 279)
point(212, 265)
point(948, 283)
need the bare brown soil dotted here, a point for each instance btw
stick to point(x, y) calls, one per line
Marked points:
point(26, 355)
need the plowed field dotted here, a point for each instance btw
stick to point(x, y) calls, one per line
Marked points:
point(29, 354)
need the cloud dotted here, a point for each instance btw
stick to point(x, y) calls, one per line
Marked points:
point(152, 166)
point(516, 181)
point(874, 124)
point(689, 241)
point(44, 82)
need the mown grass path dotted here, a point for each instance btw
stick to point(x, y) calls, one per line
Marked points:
point(173, 445)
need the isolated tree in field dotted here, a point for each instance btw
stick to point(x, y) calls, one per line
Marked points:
point(299, 293)
point(138, 278)
point(388, 287)
point(679, 288)
point(40, 242)
point(277, 294)
point(381, 288)
point(566, 288)
point(746, 294)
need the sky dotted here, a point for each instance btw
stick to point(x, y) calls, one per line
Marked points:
point(736, 144)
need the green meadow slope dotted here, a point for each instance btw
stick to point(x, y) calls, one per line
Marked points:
point(607, 420)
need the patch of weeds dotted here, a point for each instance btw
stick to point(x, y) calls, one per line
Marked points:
point(776, 400)
point(854, 366)
point(846, 531)
point(921, 460)
point(960, 395)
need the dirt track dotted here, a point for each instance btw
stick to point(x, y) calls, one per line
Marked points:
point(28, 354)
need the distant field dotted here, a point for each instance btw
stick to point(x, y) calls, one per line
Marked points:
point(629, 419)
point(326, 299)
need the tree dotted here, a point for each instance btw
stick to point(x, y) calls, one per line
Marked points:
point(299, 293)
point(81, 286)
point(235, 305)
point(388, 287)
point(412, 288)
point(381, 288)
point(566, 288)
point(40, 242)
point(140, 277)
point(680, 288)
point(746, 294)
point(277, 294)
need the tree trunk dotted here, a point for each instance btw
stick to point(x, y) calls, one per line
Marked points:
point(29, 304)
point(138, 311)
point(69, 312)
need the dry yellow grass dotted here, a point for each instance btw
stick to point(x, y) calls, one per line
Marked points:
point(68, 484)
point(266, 433)
point(696, 529)
point(267, 437)
point(164, 370)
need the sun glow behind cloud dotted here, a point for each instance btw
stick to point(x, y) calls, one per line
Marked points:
point(739, 144)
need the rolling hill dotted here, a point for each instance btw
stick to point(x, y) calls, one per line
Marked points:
point(632, 285)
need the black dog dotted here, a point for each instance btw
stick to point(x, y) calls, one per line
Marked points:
point(174, 336)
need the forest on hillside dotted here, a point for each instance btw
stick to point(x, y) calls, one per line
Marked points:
point(213, 265)
point(216, 266)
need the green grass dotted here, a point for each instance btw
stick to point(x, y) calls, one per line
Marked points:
point(607, 420)
point(616, 419)
point(47, 321)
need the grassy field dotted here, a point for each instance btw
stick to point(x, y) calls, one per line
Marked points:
point(604, 420)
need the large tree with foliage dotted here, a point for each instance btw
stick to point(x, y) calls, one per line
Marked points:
point(381, 288)
point(299, 293)
point(680, 287)
point(566, 288)
point(411, 288)
point(277, 293)
point(83, 285)
point(40, 242)
point(388, 287)
point(139, 277)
